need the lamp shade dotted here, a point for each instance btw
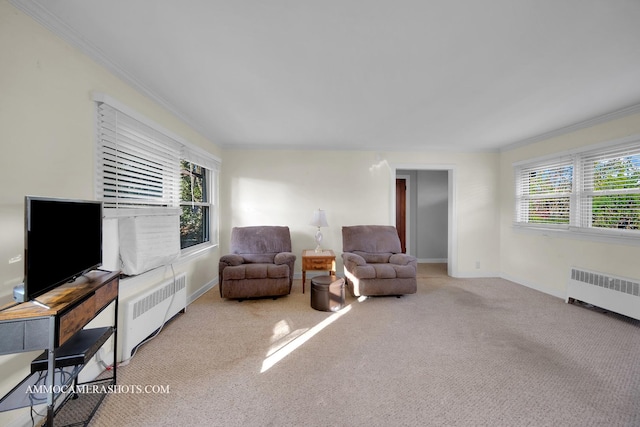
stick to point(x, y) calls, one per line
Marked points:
point(319, 219)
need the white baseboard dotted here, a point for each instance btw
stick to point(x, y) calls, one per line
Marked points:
point(476, 274)
point(432, 260)
point(197, 294)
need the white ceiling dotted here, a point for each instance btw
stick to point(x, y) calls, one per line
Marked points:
point(366, 74)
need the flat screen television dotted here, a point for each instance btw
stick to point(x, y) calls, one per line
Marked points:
point(63, 240)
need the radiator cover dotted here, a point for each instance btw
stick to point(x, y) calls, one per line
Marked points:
point(618, 294)
point(146, 312)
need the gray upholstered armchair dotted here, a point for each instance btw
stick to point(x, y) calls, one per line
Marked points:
point(374, 263)
point(260, 263)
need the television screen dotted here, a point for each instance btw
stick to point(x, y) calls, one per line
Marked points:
point(63, 240)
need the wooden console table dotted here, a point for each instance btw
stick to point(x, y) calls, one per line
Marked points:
point(317, 261)
point(56, 324)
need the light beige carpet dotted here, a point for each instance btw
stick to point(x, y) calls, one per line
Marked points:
point(459, 352)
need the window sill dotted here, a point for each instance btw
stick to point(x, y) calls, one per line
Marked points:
point(110, 213)
point(609, 236)
point(195, 251)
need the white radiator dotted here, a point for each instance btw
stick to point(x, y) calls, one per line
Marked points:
point(145, 313)
point(618, 294)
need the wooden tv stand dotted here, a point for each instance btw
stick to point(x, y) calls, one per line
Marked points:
point(56, 324)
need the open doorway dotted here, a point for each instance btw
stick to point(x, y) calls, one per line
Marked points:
point(402, 215)
point(424, 207)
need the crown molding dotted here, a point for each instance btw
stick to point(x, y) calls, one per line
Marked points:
point(618, 114)
point(69, 35)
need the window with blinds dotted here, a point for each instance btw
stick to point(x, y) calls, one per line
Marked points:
point(587, 191)
point(142, 165)
point(137, 165)
point(544, 193)
point(610, 197)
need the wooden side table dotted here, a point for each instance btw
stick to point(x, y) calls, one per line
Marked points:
point(317, 261)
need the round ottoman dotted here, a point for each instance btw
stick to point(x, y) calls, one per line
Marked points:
point(327, 293)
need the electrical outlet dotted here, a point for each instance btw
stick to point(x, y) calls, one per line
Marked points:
point(477, 265)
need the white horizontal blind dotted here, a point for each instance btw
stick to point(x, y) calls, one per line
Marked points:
point(138, 166)
point(543, 192)
point(610, 197)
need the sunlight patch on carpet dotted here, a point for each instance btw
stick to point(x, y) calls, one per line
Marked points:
point(294, 344)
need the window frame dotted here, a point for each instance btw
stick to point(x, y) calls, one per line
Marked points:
point(198, 156)
point(180, 150)
point(210, 184)
point(580, 213)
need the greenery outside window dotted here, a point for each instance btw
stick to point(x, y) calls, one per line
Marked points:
point(590, 191)
point(195, 218)
point(610, 196)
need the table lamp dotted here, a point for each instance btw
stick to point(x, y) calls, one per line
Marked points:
point(319, 219)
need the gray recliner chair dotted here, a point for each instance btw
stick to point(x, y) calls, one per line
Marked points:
point(260, 264)
point(374, 263)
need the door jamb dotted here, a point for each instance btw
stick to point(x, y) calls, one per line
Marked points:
point(452, 231)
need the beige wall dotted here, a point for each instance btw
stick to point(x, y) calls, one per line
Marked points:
point(284, 187)
point(543, 261)
point(47, 127)
point(47, 140)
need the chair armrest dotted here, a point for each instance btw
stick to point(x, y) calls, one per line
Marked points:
point(402, 259)
point(232, 259)
point(284, 258)
point(351, 258)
